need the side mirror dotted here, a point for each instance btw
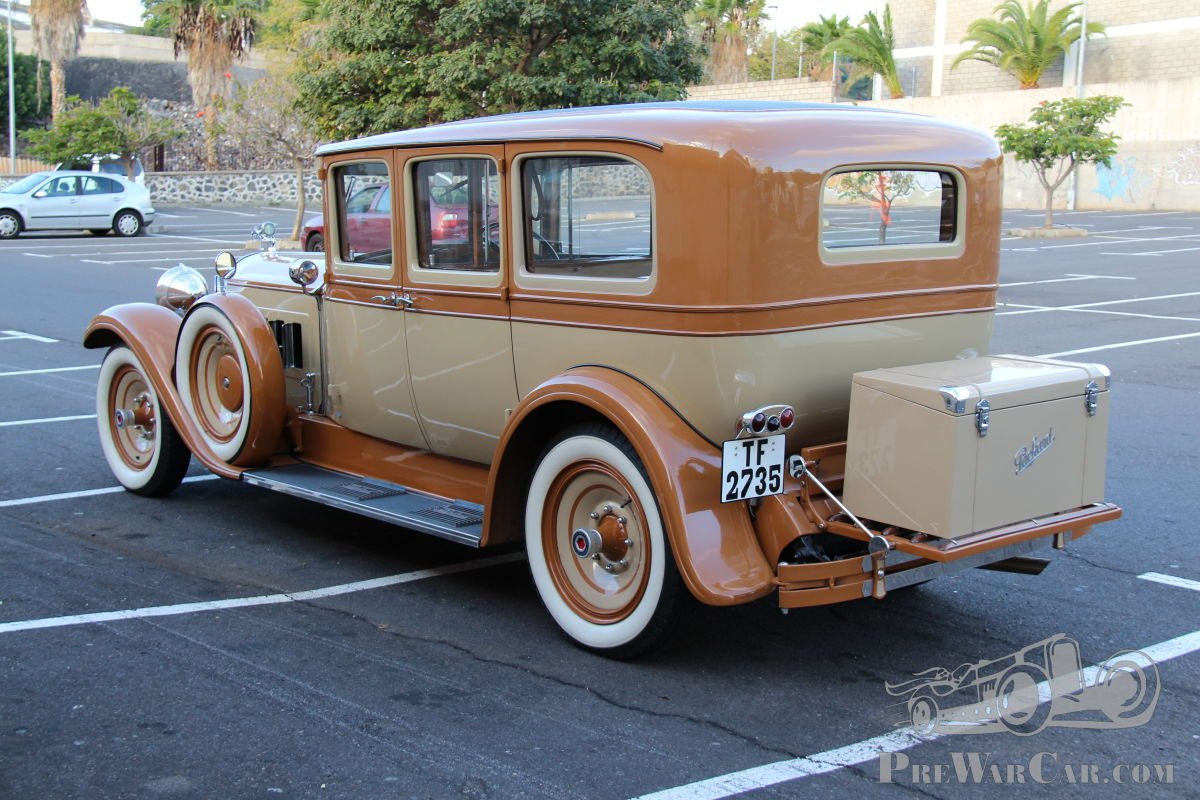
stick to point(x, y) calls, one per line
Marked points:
point(303, 273)
point(226, 265)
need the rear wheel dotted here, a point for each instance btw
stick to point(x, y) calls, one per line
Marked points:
point(596, 546)
point(141, 446)
point(127, 223)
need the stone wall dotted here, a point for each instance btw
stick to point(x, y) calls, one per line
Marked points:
point(229, 188)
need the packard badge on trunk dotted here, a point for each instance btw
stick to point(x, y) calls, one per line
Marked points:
point(1027, 455)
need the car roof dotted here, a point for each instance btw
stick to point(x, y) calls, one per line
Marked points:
point(653, 124)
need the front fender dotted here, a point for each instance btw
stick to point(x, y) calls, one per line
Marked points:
point(150, 332)
point(714, 543)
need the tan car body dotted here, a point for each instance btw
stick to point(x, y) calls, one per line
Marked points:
point(450, 383)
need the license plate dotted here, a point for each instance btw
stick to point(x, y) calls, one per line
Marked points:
point(752, 468)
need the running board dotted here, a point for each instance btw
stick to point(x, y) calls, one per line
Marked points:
point(456, 520)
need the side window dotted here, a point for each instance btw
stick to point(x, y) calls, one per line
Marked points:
point(364, 221)
point(58, 187)
point(100, 186)
point(457, 206)
point(587, 216)
point(879, 207)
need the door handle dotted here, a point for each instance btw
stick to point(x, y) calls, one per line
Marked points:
point(396, 300)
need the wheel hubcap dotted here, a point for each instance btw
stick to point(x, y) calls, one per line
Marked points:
point(127, 224)
point(132, 423)
point(218, 392)
point(595, 540)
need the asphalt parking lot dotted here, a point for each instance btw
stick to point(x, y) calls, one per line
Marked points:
point(233, 643)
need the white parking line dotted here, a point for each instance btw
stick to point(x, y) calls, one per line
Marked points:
point(223, 211)
point(1171, 580)
point(14, 422)
point(1040, 309)
point(261, 600)
point(51, 498)
point(46, 371)
point(158, 260)
point(868, 750)
point(1072, 277)
point(31, 336)
point(36, 255)
point(1119, 345)
point(1162, 252)
point(234, 242)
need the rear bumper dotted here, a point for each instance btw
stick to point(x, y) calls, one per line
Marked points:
point(910, 562)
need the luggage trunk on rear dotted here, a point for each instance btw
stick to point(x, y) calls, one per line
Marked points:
point(958, 447)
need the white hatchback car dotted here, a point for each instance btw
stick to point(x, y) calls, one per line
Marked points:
point(74, 200)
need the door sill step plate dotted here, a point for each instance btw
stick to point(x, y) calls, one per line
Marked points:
point(456, 520)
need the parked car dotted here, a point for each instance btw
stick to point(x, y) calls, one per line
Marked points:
point(74, 200)
point(669, 351)
point(368, 210)
point(110, 164)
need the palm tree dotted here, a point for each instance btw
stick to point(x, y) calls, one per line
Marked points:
point(725, 25)
point(816, 37)
point(57, 32)
point(1024, 42)
point(214, 34)
point(870, 46)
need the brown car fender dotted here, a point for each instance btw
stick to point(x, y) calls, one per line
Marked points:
point(152, 331)
point(714, 543)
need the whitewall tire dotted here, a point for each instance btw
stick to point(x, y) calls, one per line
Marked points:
point(213, 380)
point(597, 550)
point(142, 448)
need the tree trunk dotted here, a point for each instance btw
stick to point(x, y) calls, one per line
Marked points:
point(1049, 207)
point(300, 200)
point(210, 137)
point(58, 89)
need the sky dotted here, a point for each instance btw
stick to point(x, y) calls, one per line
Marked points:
point(787, 14)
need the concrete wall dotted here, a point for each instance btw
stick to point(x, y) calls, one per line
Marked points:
point(1157, 165)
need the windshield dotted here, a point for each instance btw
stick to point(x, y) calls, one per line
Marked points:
point(25, 184)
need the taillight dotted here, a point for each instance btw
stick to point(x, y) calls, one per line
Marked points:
point(449, 221)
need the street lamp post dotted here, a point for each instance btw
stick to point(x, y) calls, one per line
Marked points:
point(12, 101)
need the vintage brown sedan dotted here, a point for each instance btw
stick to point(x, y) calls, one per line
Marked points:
point(719, 350)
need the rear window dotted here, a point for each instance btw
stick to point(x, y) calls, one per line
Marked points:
point(889, 207)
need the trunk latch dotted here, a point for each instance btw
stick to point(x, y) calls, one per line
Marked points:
point(983, 414)
point(1091, 398)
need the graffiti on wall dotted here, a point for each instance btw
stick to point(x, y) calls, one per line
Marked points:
point(1185, 168)
point(1121, 180)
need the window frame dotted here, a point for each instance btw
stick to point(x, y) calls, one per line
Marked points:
point(524, 279)
point(358, 271)
point(870, 253)
point(465, 277)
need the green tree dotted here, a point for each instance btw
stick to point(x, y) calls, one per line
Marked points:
point(1025, 42)
point(57, 32)
point(32, 96)
point(267, 111)
point(120, 123)
point(1063, 135)
point(392, 64)
point(728, 27)
point(787, 51)
point(817, 38)
point(214, 34)
point(870, 46)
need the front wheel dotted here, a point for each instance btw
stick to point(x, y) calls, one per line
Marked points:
point(127, 223)
point(10, 225)
point(141, 446)
point(315, 244)
point(597, 551)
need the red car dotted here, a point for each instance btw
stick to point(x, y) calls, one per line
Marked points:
point(368, 213)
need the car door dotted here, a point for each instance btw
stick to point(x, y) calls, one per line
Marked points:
point(368, 386)
point(457, 322)
point(99, 200)
point(55, 204)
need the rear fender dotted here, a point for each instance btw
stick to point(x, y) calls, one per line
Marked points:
point(714, 543)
